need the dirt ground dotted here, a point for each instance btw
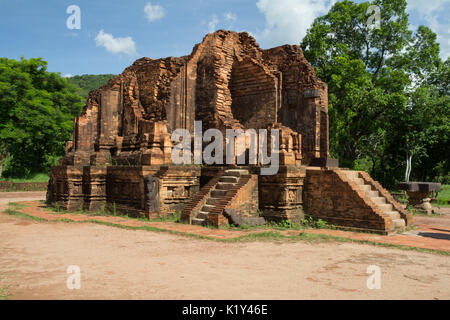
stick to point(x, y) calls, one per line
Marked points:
point(127, 264)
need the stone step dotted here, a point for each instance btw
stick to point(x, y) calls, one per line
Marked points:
point(386, 207)
point(365, 187)
point(212, 201)
point(352, 174)
point(218, 193)
point(393, 215)
point(224, 186)
point(235, 172)
point(359, 181)
point(207, 208)
point(378, 200)
point(229, 179)
point(202, 215)
point(198, 221)
point(398, 223)
point(372, 193)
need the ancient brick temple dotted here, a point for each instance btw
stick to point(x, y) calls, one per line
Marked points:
point(120, 157)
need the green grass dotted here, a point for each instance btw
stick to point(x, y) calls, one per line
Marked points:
point(306, 223)
point(174, 217)
point(16, 213)
point(36, 182)
point(39, 177)
point(4, 295)
point(16, 205)
point(443, 196)
point(270, 235)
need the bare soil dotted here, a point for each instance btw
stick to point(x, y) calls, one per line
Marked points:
point(127, 264)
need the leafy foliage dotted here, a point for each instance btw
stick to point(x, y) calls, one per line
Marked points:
point(88, 82)
point(36, 115)
point(388, 90)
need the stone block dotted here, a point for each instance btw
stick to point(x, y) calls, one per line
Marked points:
point(235, 218)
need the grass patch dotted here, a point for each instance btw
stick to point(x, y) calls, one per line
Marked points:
point(4, 295)
point(306, 223)
point(443, 196)
point(17, 205)
point(102, 212)
point(38, 177)
point(174, 217)
point(13, 212)
point(287, 225)
point(36, 182)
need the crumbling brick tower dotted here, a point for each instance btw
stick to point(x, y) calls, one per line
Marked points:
point(120, 156)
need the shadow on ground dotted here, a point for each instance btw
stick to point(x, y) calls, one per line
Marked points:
point(434, 235)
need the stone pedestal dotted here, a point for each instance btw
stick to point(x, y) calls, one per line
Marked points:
point(418, 194)
point(420, 201)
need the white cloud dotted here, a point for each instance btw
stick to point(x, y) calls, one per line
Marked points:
point(230, 17)
point(212, 24)
point(116, 45)
point(68, 75)
point(288, 20)
point(434, 13)
point(154, 12)
point(425, 7)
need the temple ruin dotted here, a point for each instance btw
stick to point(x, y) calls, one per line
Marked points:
point(120, 156)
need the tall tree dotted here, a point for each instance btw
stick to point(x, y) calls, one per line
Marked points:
point(374, 73)
point(36, 113)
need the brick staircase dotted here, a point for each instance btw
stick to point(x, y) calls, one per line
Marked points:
point(217, 196)
point(376, 196)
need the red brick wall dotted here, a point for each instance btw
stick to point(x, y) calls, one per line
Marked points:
point(253, 94)
point(331, 196)
point(246, 199)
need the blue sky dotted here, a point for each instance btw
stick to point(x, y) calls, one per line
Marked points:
point(115, 33)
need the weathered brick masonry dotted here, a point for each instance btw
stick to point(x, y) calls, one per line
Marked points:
point(120, 157)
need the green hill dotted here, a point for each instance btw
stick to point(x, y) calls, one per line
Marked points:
point(88, 82)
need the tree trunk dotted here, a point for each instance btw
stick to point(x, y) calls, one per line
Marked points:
point(408, 166)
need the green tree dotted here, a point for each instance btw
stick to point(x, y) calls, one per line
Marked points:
point(377, 80)
point(88, 82)
point(421, 124)
point(36, 115)
point(423, 131)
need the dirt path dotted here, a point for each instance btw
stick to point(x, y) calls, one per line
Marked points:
point(435, 221)
point(126, 264)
